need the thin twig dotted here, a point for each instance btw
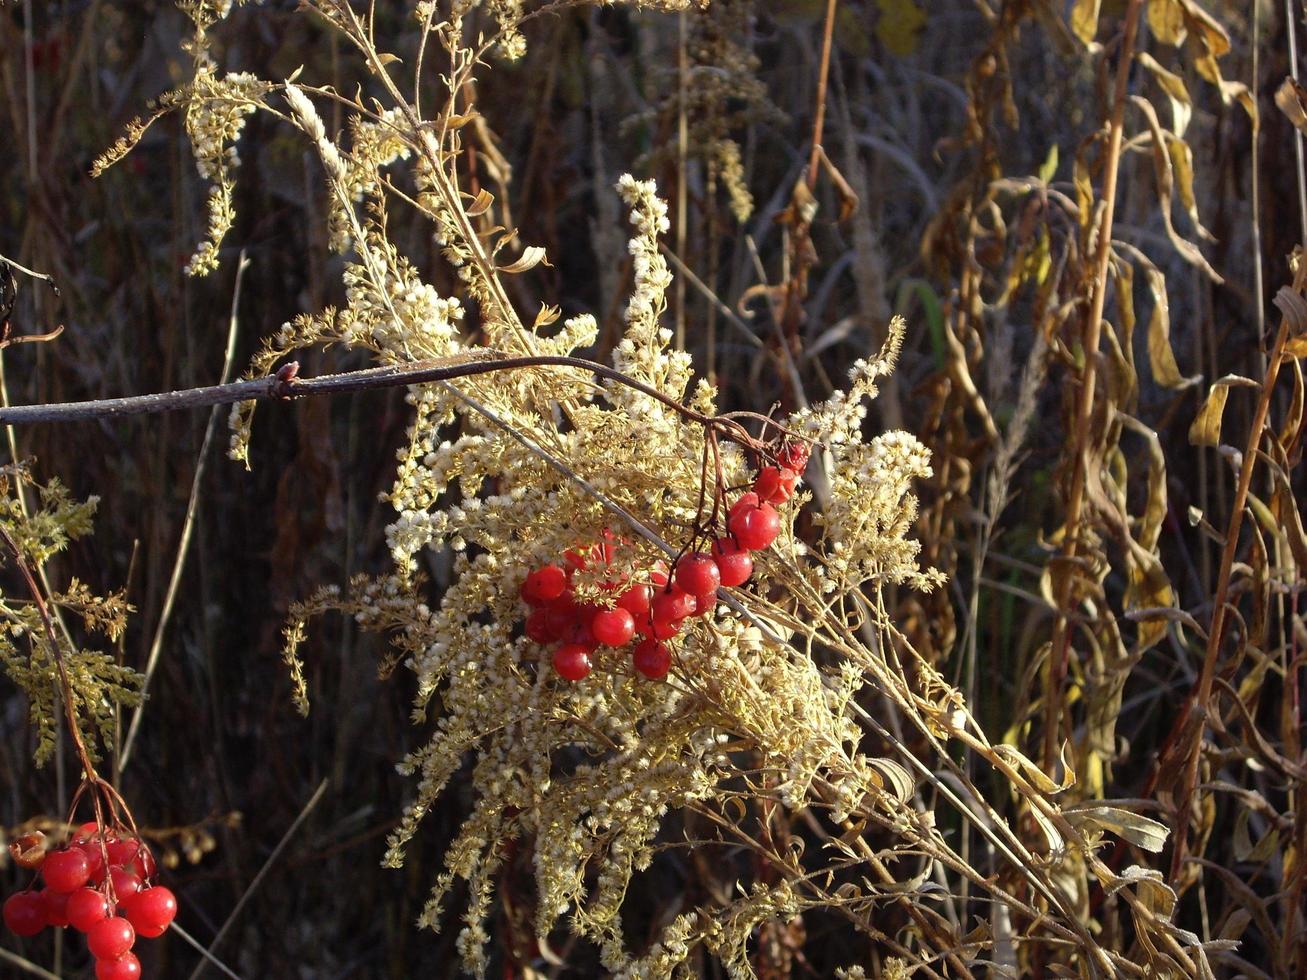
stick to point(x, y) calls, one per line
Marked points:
point(258, 878)
point(199, 948)
point(286, 387)
point(188, 523)
point(26, 965)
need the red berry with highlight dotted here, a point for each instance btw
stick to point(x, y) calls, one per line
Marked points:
point(704, 604)
point(86, 832)
point(734, 563)
point(698, 574)
point(24, 913)
point(94, 858)
point(110, 938)
point(613, 627)
point(572, 661)
point(544, 584)
point(125, 967)
point(86, 907)
point(745, 501)
point(151, 911)
point(755, 527)
point(652, 659)
point(65, 870)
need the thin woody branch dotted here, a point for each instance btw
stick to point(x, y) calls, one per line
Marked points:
point(285, 385)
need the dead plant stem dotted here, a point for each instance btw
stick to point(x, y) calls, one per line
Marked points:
point(1085, 407)
point(1202, 691)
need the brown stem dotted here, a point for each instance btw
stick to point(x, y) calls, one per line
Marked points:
point(819, 122)
point(1085, 407)
point(65, 685)
point(1202, 690)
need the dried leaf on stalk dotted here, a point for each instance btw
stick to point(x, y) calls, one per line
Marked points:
point(1084, 19)
point(531, 257)
point(1165, 175)
point(1206, 427)
point(1126, 824)
point(1291, 98)
point(1165, 370)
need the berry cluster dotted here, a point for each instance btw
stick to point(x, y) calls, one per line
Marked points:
point(655, 609)
point(100, 885)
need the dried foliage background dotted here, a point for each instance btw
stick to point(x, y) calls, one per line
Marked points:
point(1081, 523)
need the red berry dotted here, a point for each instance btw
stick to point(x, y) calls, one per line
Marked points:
point(613, 627)
point(144, 866)
point(698, 574)
point(704, 604)
point(544, 584)
point(125, 967)
point(660, 629)
point(151, 910)
point(65, 870)
point(537, 627)
point(733, 562)
point(24, 913)
point(86, 832)
point(94, 858)
point(125, 882)
point(561, 615)
point(572, 661)
point(652, 659)
point(671, 604)
point(775, 485)
point(636, 600)
point(745, 501)
point(110, 938)
point(55, 907)
point(794, 456)
point(86, 907)
point(755, 527)
point(122, 852)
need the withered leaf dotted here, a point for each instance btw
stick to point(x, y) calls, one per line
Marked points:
point(1165, 370)
point(1206, 427)
point(480, 204)
point(1126, 824)
point(531, 257)
point(1084, 19)
point(1291, 98)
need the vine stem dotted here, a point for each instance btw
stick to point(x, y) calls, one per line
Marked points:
point(1085, 407)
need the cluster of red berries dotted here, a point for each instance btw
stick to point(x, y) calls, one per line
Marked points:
point(100, 885)
point(655, 610)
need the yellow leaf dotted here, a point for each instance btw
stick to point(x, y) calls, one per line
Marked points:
point(1166, 21)
point(1084, 19)
point(1165, 371)
point(899, 25)
point(1206, 428)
